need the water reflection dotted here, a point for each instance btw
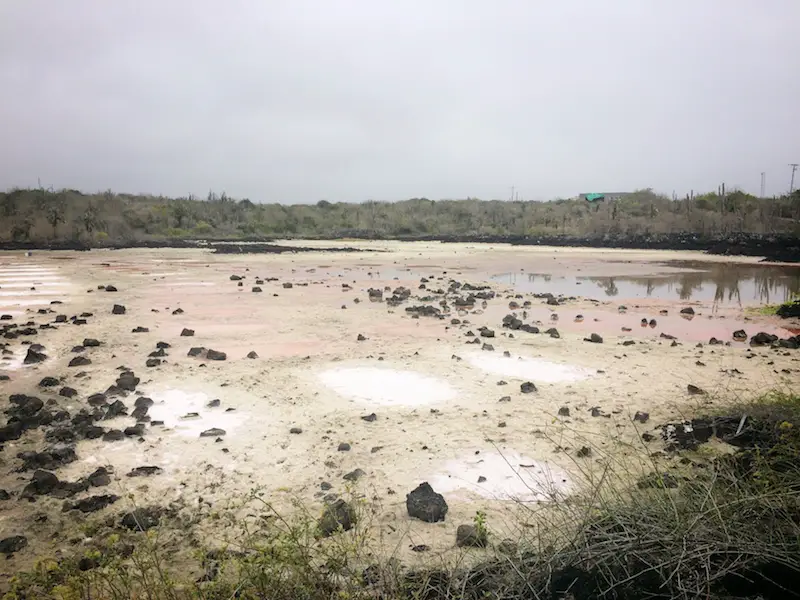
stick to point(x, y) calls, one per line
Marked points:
point(720, 283)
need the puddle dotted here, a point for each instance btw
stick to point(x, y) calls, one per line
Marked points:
point(720, 283)
point(172, 405)
point(520, 367)
point(387, 387)
point(509, 476)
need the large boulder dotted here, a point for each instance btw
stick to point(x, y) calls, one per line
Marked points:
point(425, 504)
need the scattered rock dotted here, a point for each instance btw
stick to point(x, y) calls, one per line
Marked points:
point(470, 536)
point(142, 519)
point(213, 432)
point(215, 355)
point(641, 417)
point(527, 388)
point(295, 431)
point(370, 418)
point(140, 330)
point(354, 475)
point(187, 332)
point(339, 516)
point(694, 390)
point(594, 338)
point(344, 447)
point(79, 361)
point(252, 354)
point(67, 392)
point(15, 543)
point(118, 309)
point(145, 471)
point(91, 343)
point(425, 504)
point(34, 357)
point(687, 311)
point(49, 382)
point(563, 411)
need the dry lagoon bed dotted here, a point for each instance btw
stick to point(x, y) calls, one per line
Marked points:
point(328, 390)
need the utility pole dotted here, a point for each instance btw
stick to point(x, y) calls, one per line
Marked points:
point(763, 183)
point(791, 183)
point(512, 193)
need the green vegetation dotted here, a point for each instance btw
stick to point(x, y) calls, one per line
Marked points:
point(40, 215)
point(699, 524)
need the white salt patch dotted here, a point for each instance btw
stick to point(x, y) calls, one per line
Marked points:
point(30, 302)
point(172, 405)
point(534, 369)
point(386, 387)
point(509, 476)
point(15, 281)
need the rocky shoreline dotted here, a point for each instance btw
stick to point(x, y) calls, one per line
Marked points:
point(774, 248)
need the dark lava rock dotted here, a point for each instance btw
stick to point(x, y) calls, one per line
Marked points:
point(553, 333)
point(140, 329)
point(360, 338)
point(13, 544)
point(486, 332)
point(470, 536)
point(527, 387)
point(687, 311)
point(145, 471)
point(594, 338)
point(67, 392)
point(287, 285)
point(354, 475)
point(79, 361)
point(563, 411)
point(177, 311)
point(91, 343)
point(134, 430)
point(344, 447)
point(339, 516)
point(100, 477)
point(236, 278)
point(486, 347)
point(628, 343)
point(49, 382)
point(187, 332)
point(370, 418)
point(213, 403)
point(142, 519)
point(252, 354)
point(295, 431)
point(425, 504)
point(113, 435)
point(789, 310)
point(110, 288)
point(196, 351)
point(118, 309)
point(42, 483)
point(641, 417)
point(116, 409)
point(256, 289)
point(162, 345)
point(763, 339)
point(24, 405)
point(215, 355)
point(213, 432)
point(143, 402)
point(694, 390)
point(93, 503)
point(50, 458)
point(34, 357)
point(98, 399)
point(152, 362)
point(127, 381)
point(4, 495)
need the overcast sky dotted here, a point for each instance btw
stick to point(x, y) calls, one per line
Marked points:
point(346, 100)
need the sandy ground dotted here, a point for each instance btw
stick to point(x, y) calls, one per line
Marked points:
point(437, 402)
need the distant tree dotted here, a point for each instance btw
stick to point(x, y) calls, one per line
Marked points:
point(91, 219)
point(21, 232)
point(55, 215)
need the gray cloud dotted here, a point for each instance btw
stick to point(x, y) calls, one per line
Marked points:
point(298, 100)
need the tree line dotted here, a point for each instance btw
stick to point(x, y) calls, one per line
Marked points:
point(46, 216)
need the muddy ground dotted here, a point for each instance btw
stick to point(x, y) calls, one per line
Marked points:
point(326, 390)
